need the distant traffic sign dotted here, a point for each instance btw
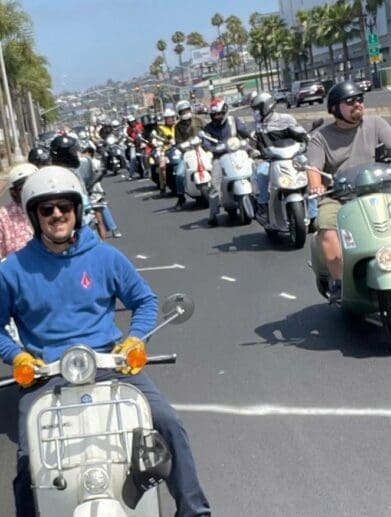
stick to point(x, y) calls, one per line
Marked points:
point(373, 40)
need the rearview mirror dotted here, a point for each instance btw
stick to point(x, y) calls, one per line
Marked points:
point(179, 303)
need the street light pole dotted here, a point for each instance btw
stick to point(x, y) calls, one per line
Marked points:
point(18, 156)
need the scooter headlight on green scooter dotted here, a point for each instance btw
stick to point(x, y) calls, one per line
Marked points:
point(383, 258)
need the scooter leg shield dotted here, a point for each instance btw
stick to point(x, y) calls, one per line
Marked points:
point(241, 188)
point(376, 278)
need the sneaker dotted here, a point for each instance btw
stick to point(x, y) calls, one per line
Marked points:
point(180, 203)
point(335, 292)
point(212, 221)
point(116, 234)
point(262, 213)
point(162, 192)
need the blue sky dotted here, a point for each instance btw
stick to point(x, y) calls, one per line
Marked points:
point(90, 41)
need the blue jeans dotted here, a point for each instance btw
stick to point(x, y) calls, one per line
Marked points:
point(180, 176)
point(262, 175)
point(182, 482)
point(108, 219)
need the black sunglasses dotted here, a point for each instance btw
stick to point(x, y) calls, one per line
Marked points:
point(47, 209)
point(350, 101)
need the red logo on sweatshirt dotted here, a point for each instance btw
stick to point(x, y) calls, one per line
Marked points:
point(86, 281)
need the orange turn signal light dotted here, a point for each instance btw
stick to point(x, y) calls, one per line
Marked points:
point(24, 374)
point(136, 358)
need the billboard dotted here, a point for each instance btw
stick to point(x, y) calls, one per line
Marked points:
point(201, 55)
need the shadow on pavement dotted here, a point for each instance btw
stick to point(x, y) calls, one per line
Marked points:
point(253, 242)
point(322, 328)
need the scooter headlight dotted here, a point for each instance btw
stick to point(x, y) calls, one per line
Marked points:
point(78, 365)
point(285, 181)
point(233, 144)
point(383, 258)
point(96, 480)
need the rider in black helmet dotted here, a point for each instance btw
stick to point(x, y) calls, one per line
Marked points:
point(39, 156)
point(64, 151)
point(346, 142)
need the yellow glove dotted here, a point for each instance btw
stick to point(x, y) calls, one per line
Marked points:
point(26, 359)
point(133, 348)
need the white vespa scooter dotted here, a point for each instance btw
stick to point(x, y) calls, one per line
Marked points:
point(236, 170)
point(198, 166)
point(92, 447)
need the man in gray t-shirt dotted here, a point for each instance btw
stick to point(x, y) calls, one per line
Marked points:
point(348, 141)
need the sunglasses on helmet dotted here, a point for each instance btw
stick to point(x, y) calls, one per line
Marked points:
point(350, 101)
point(47, 209)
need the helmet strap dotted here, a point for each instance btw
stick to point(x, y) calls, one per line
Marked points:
point(68, 240)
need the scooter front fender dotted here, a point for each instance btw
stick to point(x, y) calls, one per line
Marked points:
point(294, 197)
point(100, 508)
point(242, 187)
point(376, 278)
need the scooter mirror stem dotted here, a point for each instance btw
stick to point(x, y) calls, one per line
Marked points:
point(179, 311)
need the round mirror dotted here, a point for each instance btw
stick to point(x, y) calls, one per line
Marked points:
point(181, 304)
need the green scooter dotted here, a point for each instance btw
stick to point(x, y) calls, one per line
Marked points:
point(364, 227)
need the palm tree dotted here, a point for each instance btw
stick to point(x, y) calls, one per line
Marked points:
point(237, 35)
point(156, 68)
point(195, 39)
point(324, 34)
point(161, 45)
point(217, 21)
point(179, 38)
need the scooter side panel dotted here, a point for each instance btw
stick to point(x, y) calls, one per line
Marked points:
point(364, 227)
point(89, 418)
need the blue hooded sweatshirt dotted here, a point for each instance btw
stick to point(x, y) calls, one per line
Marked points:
point(58, 300)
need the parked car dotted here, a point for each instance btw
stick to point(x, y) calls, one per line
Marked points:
point(280, 94)
point(364, 84)
point(307, 91)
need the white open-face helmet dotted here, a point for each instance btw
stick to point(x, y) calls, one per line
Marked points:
point(115, 124)
point(168, 113)
point(130, 119)
point(183, 109)
point(20, 173)
point(49, 183)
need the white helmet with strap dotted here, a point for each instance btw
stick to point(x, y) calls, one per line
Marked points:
point(48, 183)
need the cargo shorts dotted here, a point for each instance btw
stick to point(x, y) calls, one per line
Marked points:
point(327, 215)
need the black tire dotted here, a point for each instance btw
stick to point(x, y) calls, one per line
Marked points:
point(297, 226)
point(243, 215)
point(288, 105)
point(384, 298)
point(298, 104)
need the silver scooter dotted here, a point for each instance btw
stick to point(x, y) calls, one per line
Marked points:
point(236, 168)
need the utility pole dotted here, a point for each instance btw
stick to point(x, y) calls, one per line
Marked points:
point(18, 156)
point(32, 116)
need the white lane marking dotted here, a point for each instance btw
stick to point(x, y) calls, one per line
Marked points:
point(228, 278)
point(274, 410)
point(157, 268)
point(288, 296)
point(144, 194)
point(142, 257)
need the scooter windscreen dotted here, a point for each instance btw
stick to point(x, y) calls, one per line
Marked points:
point(151, 464)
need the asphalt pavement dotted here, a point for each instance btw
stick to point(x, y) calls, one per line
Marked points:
point(287, 405)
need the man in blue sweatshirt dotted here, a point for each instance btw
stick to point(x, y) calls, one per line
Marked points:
point(61, 290)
